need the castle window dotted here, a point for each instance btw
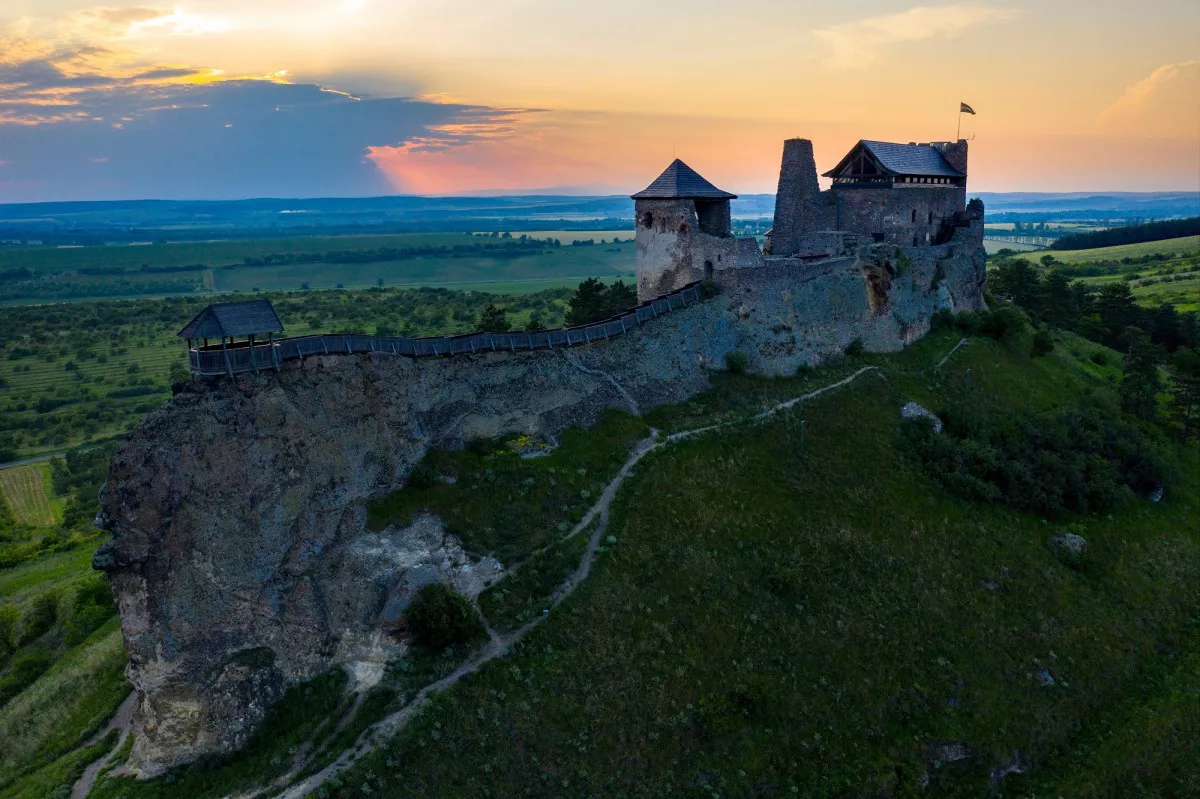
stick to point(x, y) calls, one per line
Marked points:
point(708, 269)
point(914, 215)
point(647, 219)
point(916, 242)
point(683, 227)
point(931, 217)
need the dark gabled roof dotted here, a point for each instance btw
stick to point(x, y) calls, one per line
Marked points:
point(917, 160)
point(233, 319)
point(680, 182)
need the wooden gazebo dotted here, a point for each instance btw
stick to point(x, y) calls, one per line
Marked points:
point(228, 322)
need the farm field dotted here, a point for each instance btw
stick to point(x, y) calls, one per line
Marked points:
point(26, 490)
point(45, 274)
point(1184, 244)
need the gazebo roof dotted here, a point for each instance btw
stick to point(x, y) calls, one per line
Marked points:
point(227, 319)
point(680, 182)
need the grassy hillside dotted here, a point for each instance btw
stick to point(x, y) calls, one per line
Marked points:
point(1186, 244)
point(796, 607)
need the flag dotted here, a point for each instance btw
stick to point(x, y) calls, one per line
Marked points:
point(963, 108)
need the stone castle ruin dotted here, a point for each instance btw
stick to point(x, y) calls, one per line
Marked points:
point(908, 195)
point(240, 557)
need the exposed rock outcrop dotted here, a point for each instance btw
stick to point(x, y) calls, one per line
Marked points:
point(240, 558)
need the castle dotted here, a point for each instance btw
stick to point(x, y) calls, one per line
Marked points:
point(240, 556)
point(908, 195)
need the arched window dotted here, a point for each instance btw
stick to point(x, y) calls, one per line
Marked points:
point(647, 219)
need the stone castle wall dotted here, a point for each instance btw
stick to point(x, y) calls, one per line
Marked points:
point(905, 215)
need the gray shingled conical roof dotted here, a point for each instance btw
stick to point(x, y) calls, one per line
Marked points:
point(680, 182)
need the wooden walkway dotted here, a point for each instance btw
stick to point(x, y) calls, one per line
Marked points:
point(215, 361)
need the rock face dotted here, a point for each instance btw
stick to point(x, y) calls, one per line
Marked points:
point(240, 559)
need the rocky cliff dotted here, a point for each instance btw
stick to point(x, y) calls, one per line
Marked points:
point(240, 558)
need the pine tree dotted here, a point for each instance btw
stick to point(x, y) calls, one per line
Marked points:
point(493, 319)
point(1141, 382)
point(1185, 391)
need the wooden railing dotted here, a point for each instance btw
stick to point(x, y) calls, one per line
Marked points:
point(215, 361)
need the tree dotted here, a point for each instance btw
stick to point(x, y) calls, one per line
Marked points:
point(536, 322)
point(1141, 382)
point(1117, 311)
point(493, 319)
point(587, 304)
point(1185, 391)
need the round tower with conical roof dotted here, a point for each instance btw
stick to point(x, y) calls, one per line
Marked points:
point(683, 230)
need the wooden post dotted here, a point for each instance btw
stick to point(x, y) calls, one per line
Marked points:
point(274, 354)
point(253, 360)
point(225, 352)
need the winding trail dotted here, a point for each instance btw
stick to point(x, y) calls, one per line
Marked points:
point(120, 721)
point(498, 645)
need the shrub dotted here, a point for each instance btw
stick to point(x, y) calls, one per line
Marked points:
point(736, 362)
point(855, 348)
point(1087, 460)
point(1042, 344)
point(440, 617)
point(9, 616)
point(481, 446)
point(26, 667)
point(39, 618)
point(92, 606)
point(708, 288)
point(1005, 323)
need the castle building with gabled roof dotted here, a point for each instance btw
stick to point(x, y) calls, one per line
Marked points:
point(905, 195)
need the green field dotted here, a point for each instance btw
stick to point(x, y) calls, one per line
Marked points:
point(26, 490)
point(41, 274)
point(1185, 244)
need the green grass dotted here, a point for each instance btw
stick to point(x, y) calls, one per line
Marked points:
point(521, 597)
point(1184, 244)
point(506, 505)
point(269, 753)
point(56, 779)
point(220, 266)
point(26, 490)
point(65, 705)
point(775, 618)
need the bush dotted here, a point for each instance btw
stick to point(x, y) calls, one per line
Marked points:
point(9, 616)
point(1005, 323)
point(440, 617)
point(39, 618)
point(736, 362)
point(26, 667)
point(1087, 460)
point(708, 288)
point(91, 606)
point(1042, 344)
point(855, 348)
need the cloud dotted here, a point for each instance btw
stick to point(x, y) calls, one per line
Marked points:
point(125, 139)
point(858, 43)
point(1137, 95)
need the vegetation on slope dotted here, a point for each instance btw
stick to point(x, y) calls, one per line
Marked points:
point(822, 616)
point(1130, 234)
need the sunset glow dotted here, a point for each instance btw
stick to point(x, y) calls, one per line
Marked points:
point(463, 95)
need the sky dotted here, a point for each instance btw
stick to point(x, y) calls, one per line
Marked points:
point(226, 99)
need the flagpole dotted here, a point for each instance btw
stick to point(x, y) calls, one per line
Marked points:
point(958, 132)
